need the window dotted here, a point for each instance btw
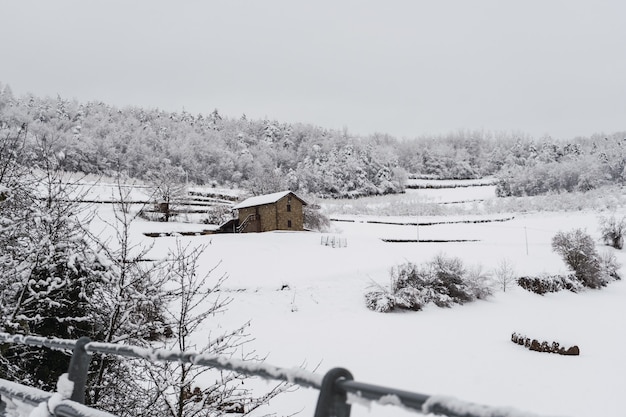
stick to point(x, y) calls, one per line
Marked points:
point(289, 224)
point(288, 207)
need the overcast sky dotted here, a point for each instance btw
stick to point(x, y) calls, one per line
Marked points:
point(403, 67)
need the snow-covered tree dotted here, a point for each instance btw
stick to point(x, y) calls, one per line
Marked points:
point(129, 305)
point(170, 188)
point(49, 270)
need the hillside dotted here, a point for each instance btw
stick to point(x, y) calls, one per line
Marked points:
point(264, 156)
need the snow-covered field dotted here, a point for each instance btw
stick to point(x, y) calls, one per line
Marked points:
point(305, 303)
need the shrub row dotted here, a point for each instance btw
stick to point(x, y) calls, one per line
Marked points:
point(550, 283)
point(538, 346)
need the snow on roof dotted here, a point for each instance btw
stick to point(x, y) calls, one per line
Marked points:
point(265, 199)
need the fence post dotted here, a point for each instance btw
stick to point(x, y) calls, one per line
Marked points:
point(77, 372)
point(332, 402)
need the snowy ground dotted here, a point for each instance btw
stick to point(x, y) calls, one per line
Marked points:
point(305, 303)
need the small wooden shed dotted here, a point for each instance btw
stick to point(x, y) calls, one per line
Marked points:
point(277, 211)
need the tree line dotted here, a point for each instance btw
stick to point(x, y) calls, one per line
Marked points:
point(266, 155)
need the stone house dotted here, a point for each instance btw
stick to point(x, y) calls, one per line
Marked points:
point(277, 211)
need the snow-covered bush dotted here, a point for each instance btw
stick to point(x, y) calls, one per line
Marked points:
point(609, 267)
point(612, 230)
point(479, 282)
point(382, 300)
point(545, 283)
point(314, 219)
point(447, 279)
point(443, 281)
point(578, 250)
point(218, 215)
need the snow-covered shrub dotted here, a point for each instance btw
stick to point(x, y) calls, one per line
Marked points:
point(407, 275)
point(578, 250)
point(612, 230)
point(609, 267)
point(400, 295)
point(218, 215)
point(409, 298)
point(381, 301)
point(479, 282)
point(314, 219)
point(545, 283)
point(443, 281)
point(447, 278)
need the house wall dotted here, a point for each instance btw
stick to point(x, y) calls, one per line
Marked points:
point(252, 226)
point(274, 216)
point(296, 214)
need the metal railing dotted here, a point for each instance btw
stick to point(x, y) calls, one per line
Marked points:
point(337, 387)
point(250, 218)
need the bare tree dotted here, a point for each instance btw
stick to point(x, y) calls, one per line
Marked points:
point(504, 274)
point(176, 387)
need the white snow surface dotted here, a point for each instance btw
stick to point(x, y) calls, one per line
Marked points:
point(306, 306)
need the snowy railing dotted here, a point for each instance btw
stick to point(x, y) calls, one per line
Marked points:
point(250, 218)
point(338, 390)
point(334, 241)
point(49, 403)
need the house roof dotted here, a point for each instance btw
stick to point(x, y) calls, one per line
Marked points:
point(266, 199)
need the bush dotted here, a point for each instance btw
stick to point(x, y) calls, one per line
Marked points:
point(447, 280)
point(314, 219)
point(609, 267)
point(218, 215)
point(550, 283)
point(579, 253)
point(613, 230)
point(444, 281)
point(382, 301)
point(479, 282)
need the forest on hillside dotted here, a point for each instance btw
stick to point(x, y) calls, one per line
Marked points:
point(266, 155)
